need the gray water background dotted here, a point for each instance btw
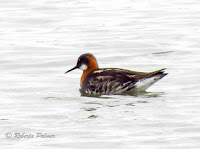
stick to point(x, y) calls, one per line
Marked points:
point(41, 39)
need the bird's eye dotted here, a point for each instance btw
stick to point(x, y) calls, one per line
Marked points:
point(86, 61)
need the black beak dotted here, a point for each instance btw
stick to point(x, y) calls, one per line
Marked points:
point(71, 69)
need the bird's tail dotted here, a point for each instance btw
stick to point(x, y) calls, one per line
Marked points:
point(149, 80)
point(159, 74)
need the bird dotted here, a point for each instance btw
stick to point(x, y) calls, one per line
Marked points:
point(97, 81)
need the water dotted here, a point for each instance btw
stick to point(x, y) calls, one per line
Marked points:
point(42, 39)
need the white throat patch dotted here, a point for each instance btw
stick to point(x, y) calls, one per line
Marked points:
point(83, 67)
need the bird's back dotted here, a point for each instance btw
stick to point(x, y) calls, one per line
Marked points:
point(119, 81)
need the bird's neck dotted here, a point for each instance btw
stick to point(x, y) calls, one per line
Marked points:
point(93, 65)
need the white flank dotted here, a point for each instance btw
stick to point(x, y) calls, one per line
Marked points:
point(83, 67)
point(142, 85)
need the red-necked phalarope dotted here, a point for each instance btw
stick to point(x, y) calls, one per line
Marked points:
point(104, 81)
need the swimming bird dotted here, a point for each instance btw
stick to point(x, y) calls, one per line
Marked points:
point(104, 81)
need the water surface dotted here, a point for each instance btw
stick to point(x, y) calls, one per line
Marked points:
point(42, 39)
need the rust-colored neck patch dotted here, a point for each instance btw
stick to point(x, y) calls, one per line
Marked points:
point(92, 66)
